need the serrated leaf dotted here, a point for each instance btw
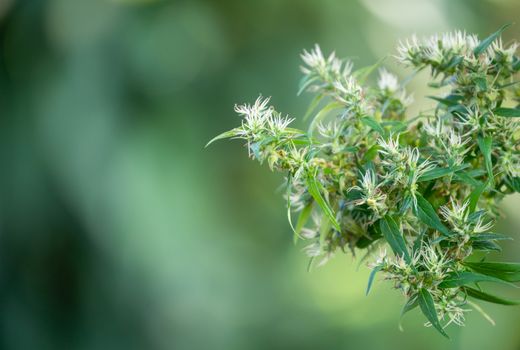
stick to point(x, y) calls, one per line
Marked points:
point(314, 191)
point(458, 279)
point(507, 112)
point(440, 172)
point(484, 44)
point(428, 309)
point(509, 272)
point(394, 237)
point(427, 215)
point(477, 294)
point(373, 273)
point(224, 135)
point(485, 144)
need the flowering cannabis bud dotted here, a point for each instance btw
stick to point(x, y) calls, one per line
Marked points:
point(427, 186)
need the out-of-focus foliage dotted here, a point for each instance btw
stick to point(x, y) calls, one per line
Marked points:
point(119, 232)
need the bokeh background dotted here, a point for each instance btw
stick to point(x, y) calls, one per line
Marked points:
point(118, 230)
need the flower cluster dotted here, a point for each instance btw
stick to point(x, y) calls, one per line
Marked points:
point(426, 186)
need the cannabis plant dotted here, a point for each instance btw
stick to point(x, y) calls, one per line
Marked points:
point(366, 175)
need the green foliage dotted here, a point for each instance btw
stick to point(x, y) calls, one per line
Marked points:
point(429, 185)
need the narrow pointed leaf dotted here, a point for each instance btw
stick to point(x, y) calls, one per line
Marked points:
point(428, 309)
point(322, 114)
point(490, 236)
point(485, 144)
point(314, 191)
point(427, 214)
point(224, 135)
point(439, 172)
point(312, 106)
point(302, 220)
point(451, 100)
point(507, 112)
point(373, 124)
point(373, 273)
point(486, 246)
point(363, 73)
point(305, 83)
point(411, 304)
point(477, 294)
point(394, 237)
point(475, 196)
point(484, 44)
point(457, 279)
point(509, 272)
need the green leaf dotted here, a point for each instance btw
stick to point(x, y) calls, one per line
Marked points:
point(324, 231)
point(371, 153)
point(411, 304)
point(406, 203)
point(373, 273)
point(455, 61)
point(477, 294)
point(475, 196)
point(484, 44)
point(288, 196)
point(393, 236)
point(373, 124)
point(481, 83)
point(465, 177)
point(302, 220)
point(224, 135)
point(516, 63)
point(396, 126)
point(427, 214)
point(306, 81)
point(439, 172)
point(314, 191)
point(490, 236)
point(457, 279)
point(507, 112)
point(322, 114)
point(515, 184)
point(363, 73)
point(486, 246)
point(509, 272)
point(485, 144)
point(450, 100)
point(312, 106)
point(428, 309)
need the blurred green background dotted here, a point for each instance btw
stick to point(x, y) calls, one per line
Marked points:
point(118, 230)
